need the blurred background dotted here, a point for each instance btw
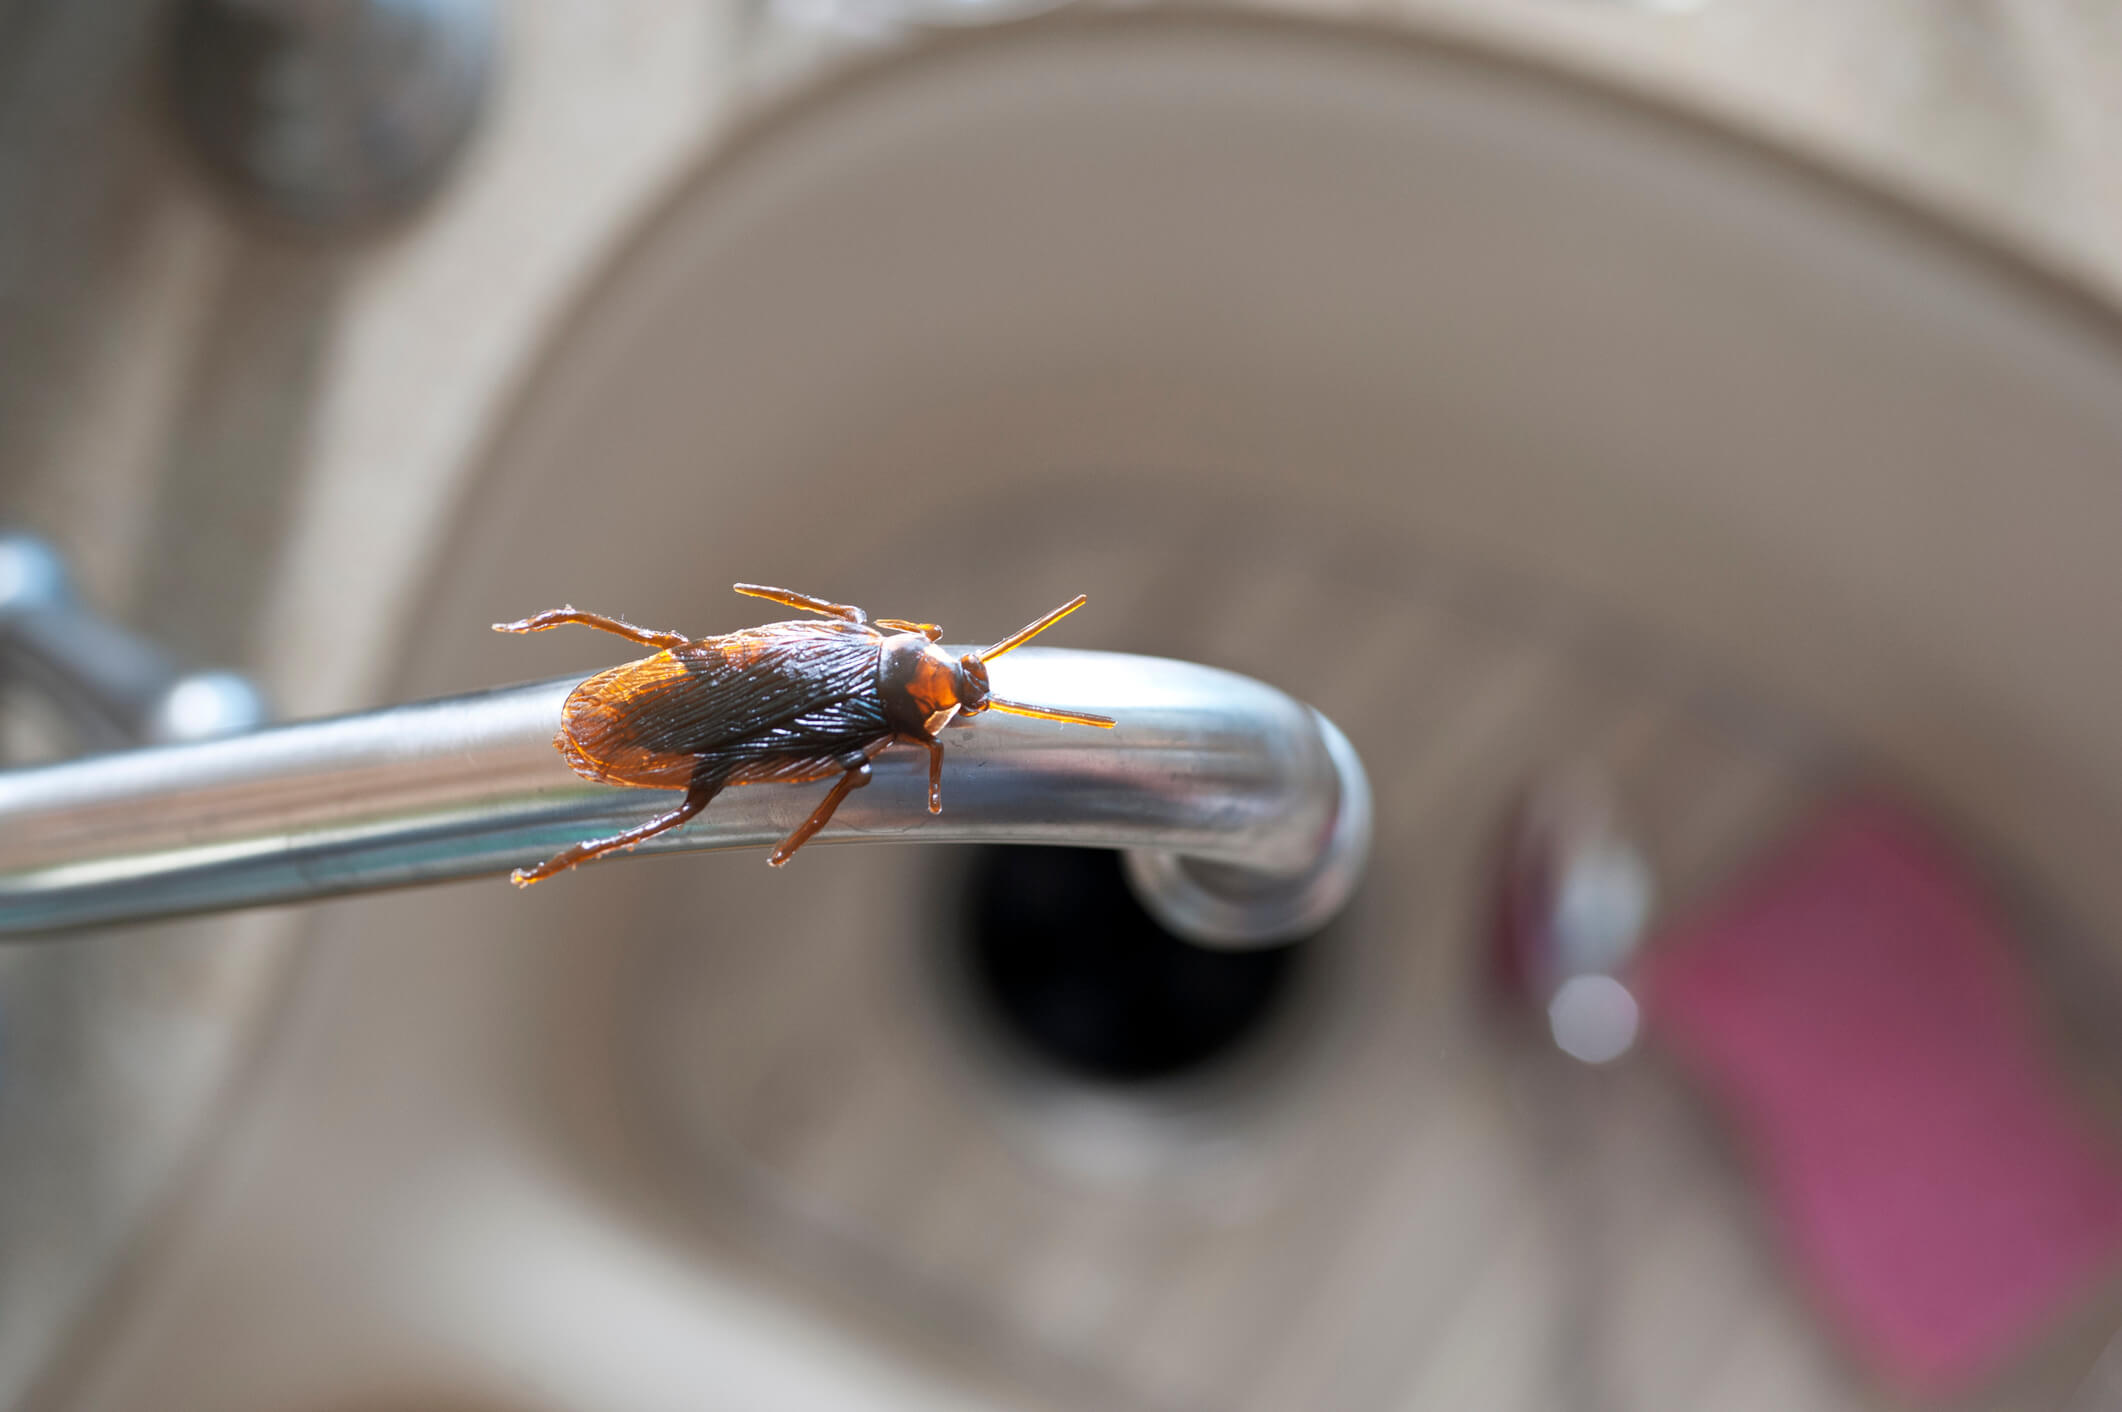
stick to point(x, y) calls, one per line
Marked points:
point(1679, 442)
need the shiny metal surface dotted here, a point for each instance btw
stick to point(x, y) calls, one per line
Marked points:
point(1205, 764)
point(114, 687)
point(1579, 900)
point(1222, 905)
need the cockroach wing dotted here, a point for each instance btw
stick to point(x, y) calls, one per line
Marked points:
point(780, 702)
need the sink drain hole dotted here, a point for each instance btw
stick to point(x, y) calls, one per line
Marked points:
point(1059, 956)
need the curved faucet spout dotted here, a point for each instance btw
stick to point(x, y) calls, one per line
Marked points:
point(1246, 813)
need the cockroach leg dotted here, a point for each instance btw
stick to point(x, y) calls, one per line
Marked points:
point(696, 799)
point(935, 766)
point(928, 630)
point(854, 779)
point(803, 601)
point(559, 617)
point(935, 775)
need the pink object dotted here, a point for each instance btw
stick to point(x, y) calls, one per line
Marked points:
point(1859, 1011)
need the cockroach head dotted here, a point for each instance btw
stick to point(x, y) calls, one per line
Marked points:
point(972, 684)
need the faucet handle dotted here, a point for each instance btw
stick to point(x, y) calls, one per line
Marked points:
point(115, 688)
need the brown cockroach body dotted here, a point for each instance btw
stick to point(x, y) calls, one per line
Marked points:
point(784, 702)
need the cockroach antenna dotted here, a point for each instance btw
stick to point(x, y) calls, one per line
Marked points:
point(991, 702)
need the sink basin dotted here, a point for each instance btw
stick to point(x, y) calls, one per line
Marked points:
point(1509, 420)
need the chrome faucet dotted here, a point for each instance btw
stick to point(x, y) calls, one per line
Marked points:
point(1245, 814)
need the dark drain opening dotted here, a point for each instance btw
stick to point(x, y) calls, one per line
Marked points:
point(1062, 958)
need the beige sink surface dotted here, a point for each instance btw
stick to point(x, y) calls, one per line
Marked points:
point(1507, 420)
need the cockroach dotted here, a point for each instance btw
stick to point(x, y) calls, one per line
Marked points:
point(785, 703)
